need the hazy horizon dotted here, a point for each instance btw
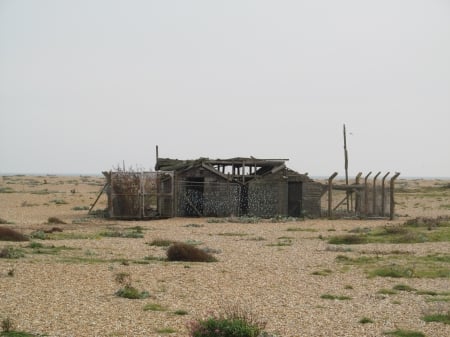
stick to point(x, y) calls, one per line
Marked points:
point(86, 85)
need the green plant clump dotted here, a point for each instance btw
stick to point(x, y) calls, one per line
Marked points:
point(335, 297)
point(11, 253)
point(365, 320)
point(404, 333)
point(131, 292)
point(234, 325)
point(403, 287)
point(128, 234)
point(441, 318)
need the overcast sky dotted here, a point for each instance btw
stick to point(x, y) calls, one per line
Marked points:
point(86, 85)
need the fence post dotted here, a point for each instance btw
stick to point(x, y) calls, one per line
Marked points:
point(358, 196)
point(374, 194)
point(383, 194)
point(330, 193)
point(366, 195)
point(392, 201)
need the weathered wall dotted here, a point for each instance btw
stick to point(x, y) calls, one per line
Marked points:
point(267, 196)
point(218, 197)
point(312, 193)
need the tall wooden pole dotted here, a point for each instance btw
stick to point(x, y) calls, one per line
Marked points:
point(346, 167)
point(358, 195)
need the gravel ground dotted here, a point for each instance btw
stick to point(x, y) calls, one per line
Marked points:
point(269, 269)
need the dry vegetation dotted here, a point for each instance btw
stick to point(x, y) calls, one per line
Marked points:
point(301, 278)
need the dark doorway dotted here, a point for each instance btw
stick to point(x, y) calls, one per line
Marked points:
point(194, 197)
point(295, 199)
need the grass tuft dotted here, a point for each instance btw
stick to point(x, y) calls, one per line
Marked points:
point(440, 318)
point(236, 323)
point(404, 333)
point(335, 297)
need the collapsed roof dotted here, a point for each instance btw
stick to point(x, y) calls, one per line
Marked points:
point(233, 168)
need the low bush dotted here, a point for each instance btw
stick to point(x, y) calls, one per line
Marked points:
point(180, 251)
point(128, 291)
point(8, 234)
point(11, 253)
point(131, 292)
point(38, 234)
point(365, 320)
point(236, 323)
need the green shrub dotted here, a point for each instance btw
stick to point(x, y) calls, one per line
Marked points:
point(128, 291)
point(131, 292)
point(180, 251)
point(233, 324)
point(180, 312)
point(11, 253)
point(365, 320)
point(39, 234)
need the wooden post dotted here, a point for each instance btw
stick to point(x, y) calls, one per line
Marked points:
point(358, 196)
point(346, 168)
point(366, 195)
point(374, 193)
point(330, 194)
point(383, 194)
point(392, 201)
